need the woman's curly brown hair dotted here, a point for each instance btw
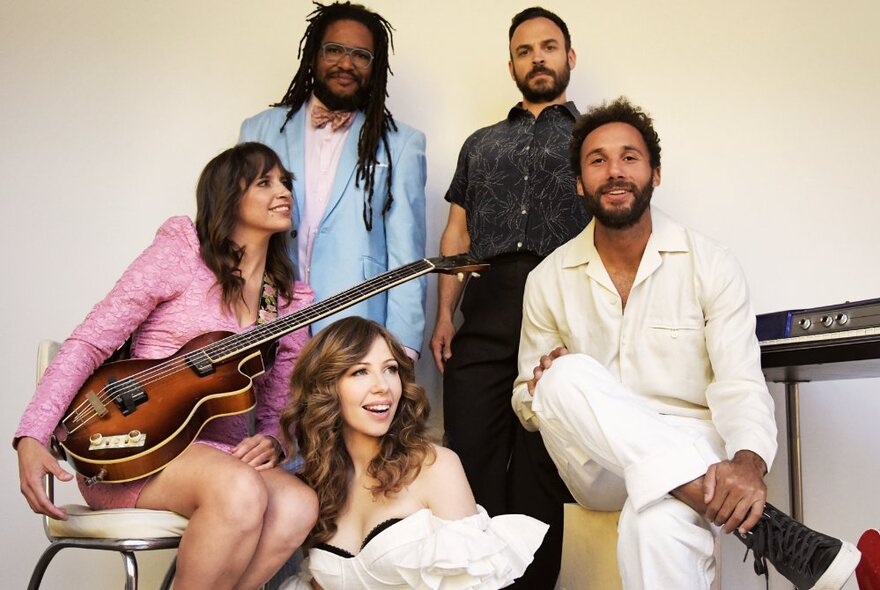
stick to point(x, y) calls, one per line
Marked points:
point(315, 415)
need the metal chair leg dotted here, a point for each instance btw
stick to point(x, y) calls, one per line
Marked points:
point(131, 570)
point(169, 575)
point(43, 564)
point(126, 547)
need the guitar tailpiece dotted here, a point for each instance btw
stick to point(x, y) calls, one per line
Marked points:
point(90, 481)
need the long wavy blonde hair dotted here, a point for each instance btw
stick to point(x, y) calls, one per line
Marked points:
point(314, 414)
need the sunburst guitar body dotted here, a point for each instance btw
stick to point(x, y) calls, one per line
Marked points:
point(132, 417)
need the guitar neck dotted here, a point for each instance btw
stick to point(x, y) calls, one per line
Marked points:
point(270, 331)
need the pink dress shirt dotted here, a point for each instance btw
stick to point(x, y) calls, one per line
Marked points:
point(165, 298)
point(323, 149)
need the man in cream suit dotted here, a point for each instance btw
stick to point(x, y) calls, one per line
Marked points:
point(359, 175)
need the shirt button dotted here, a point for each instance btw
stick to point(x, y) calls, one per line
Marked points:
point(519, 244)
point(528, 147)
point(524, 212)
point(526, 177)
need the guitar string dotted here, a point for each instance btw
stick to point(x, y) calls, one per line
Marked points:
point(236, 341)
point(218, 350)
point(270, 331)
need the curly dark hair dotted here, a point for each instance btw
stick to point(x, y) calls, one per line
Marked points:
point(315, 414)
point(378, 119)
point(538, 12)
point(220, 189)
point(618, 111)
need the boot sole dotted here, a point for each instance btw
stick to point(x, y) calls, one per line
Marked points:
point(841, 568)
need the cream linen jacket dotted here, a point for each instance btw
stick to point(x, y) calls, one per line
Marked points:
point(685, 343)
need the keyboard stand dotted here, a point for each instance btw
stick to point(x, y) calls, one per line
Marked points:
point(793, 428)
point(798, 360)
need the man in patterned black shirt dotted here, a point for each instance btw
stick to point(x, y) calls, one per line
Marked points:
point(513, 200)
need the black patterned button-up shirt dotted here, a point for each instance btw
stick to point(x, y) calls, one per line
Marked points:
point(515, 182)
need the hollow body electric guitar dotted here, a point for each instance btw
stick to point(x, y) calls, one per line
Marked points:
point(132, 417)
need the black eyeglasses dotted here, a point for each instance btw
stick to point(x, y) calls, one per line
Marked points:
point(334, 52)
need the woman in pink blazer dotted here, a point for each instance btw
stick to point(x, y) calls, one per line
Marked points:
point(227, 271)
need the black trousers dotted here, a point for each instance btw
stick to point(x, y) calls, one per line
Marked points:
point(507, 467)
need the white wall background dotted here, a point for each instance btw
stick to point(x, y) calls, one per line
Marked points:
point(766, 110)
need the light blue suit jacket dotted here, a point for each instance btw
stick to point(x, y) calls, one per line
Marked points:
point(345, 253)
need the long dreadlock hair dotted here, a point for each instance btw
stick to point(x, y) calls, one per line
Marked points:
point(379, 122)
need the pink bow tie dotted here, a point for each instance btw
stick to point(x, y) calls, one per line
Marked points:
point(337, 119)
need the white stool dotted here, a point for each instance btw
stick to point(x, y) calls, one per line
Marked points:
point(122, 530)
point(589, 551)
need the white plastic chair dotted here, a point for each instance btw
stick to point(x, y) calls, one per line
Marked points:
point(125, 531)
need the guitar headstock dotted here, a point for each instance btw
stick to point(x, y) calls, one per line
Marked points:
point(457, 264)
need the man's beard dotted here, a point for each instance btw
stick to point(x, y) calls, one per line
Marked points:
point(545, 93)
point(334, 102)
point(620, 218)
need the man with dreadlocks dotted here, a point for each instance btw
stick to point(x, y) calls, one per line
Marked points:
point(359, 175)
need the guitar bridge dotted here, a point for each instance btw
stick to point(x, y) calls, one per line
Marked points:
point(97, 405)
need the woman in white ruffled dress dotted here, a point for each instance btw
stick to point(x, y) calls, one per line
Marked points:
point(396, 511)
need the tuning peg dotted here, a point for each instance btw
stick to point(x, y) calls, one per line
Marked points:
point(476, 275)
point(460, 277)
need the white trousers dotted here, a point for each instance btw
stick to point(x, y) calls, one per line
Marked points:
point(615, 453)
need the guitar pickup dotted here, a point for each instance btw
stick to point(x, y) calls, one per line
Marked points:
point(200, 362)
point(128, 394)
point(128, 401)
point(135, 438)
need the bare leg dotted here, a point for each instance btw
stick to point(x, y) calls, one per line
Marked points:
point(290, 515)
point(225, 501)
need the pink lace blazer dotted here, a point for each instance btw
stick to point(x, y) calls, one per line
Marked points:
point(165, 298)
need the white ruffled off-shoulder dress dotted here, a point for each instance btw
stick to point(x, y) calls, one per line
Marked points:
point(425, 552)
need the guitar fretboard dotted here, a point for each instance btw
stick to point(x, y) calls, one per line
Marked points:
point(237, 343)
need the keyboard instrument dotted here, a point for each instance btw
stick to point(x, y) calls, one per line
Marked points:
point(818, 344)
point(821, 343)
